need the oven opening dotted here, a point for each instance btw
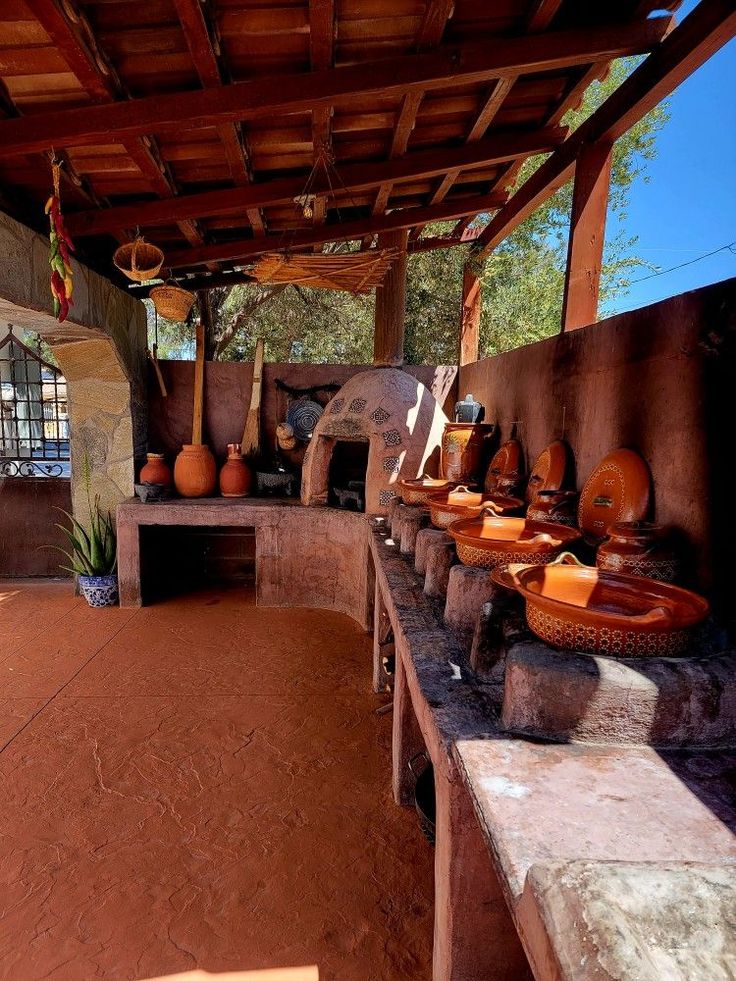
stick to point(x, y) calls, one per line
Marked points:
point(347, 474)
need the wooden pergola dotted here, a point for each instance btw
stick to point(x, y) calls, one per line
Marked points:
point(199, 122)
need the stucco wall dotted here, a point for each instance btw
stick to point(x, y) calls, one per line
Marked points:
point(660, 380)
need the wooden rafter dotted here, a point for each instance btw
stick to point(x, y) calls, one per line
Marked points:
point(433, 26)
point(539, 18)
point(72, 33)
point(204, 49)
point(710, 25)
point(447, 67)
point(421, 164)
point(337, 232)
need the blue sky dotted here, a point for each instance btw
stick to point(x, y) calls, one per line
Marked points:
point(688, 206)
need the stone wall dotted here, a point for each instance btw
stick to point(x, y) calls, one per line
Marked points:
point(101, 349)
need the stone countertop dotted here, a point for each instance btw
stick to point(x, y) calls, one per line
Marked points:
point(633, 921)
point(542, 803)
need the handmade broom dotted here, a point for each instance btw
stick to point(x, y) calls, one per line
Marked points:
point(252, 433)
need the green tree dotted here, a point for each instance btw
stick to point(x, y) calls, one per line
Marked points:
point(522, 280)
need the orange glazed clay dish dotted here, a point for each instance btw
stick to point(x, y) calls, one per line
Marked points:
point(580, 608)
point(489, 540)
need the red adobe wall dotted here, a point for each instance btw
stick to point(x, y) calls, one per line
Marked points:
point(661, 380)
point(27, 519)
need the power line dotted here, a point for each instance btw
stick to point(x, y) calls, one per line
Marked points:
point(731, 247)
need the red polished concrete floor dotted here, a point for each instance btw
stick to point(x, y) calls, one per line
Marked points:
point(198, 784)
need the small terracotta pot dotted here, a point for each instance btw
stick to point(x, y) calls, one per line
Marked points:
point(156, 471)
point(418, 489)
point(195, 472)
point(638, 548)
point(236, 478)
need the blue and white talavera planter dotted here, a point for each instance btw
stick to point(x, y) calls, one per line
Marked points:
point(99, 590)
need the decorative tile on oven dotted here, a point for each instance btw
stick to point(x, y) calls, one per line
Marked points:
point(336, 406)
point(379, 415)
point(392, 437)
point(391, 464)
point(357, 405)
point(386, 496)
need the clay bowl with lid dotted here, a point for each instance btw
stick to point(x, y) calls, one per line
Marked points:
point(461, 502)
point(488, 539)
point(417, 489)
point(577, 607)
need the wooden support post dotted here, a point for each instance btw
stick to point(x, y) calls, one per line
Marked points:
point(388, 340)
point(205, 315)
point(587, 233)
point(470, 318)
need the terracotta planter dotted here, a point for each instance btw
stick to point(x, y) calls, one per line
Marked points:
point(488, 541)
point(464, 450)
point(236, 478)
point(580, 608)
point(195, 473)
point(156, 471)
point(557, 507)
point(418, 490)
point(638, 548)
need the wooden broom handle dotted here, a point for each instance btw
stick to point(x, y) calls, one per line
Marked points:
point(198, 385)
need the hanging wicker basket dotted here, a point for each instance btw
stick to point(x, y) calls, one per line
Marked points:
point(138, 260)
point(171, 301)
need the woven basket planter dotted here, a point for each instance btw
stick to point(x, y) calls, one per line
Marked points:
point(172, 302)
point(138, 260)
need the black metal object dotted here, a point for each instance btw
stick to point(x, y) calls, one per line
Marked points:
point(424, 794)
point(34, 428)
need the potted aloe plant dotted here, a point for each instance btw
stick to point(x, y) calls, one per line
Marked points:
point(93, 555)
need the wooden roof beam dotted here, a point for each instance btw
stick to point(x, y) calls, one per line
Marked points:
point(538, 19)
point(703, 32)
point(204, 49)
point(260, 98)
point(421, 164)
point(337, 232)
point(71, 32)
point(436, 16)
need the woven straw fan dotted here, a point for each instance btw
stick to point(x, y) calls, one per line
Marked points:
point(252, 433)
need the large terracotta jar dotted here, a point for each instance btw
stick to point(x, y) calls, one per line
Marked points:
point(638, 548)
point(235, 477)
point(465, 450)
point(195, 473)
point(156, 471)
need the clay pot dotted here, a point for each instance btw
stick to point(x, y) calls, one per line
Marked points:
point(585, 609)
point(638, 548)
point(156, 471)
point(285, 436)
point(557, 507)
point(195, 473)
point(464, 450)
point(235, 477)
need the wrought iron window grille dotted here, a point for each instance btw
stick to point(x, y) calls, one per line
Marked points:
point(34, 421)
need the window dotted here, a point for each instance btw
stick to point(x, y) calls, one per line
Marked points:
point(34, 420)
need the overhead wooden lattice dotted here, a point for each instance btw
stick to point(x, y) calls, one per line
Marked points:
point(354, 272)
